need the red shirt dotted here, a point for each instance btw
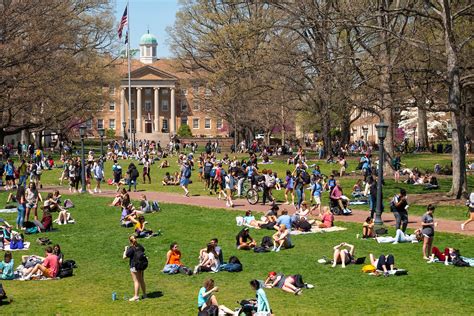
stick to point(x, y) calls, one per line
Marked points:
point(52, 263)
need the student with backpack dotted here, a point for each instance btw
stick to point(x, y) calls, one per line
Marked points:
point(138, 263)
point(132, 177)
point(185, 176)
point(399, 207)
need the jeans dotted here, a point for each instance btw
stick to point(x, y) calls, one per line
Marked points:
point(401, 218)
point(299, 194)
point(22, 181)
point(21, 215)
point(240, 183)
point(134, 183)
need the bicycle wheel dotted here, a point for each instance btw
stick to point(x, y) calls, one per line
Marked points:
point(245, 187)
point(252, 196)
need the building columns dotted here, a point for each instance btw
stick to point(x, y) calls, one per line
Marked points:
point(173, 113)
point(122, 110)
point(138, 128)
point(156, 105)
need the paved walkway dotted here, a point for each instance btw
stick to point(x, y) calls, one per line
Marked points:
point(358, 216)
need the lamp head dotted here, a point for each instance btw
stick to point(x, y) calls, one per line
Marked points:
point(82, 131)
point(382, 129)
point(101, 132)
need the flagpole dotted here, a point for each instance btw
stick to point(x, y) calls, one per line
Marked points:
point(129, 80)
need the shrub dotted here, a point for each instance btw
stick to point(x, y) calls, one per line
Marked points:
point(184, 131)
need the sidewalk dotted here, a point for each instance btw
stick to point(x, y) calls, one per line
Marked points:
point(358, 216)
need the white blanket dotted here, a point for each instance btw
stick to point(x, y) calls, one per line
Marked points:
point(315, 230)
point(8, 210)
point(26, 246)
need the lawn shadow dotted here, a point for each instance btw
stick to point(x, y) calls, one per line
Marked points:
point(155, 294)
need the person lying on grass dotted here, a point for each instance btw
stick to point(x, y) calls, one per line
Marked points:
point(401, 237)
point(280, 238)
point(49, 268)
point(292, 283)
point(384, 263)
point(446, 256)
point(209, 261)
point(207, 298)
point(249, 220)
point(244, 241)
point(343, 254)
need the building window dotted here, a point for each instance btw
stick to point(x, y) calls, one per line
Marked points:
point(165, 124)
point(148, 91)
point(184, 105)
point(148, 106)
point(207, 123)
point(100, 123)
point(133, 105)
point(195, 90)
point(184, 120)
point(133, 124)
point(112, 106)
point(164, 105)
point(183, 92)
point(164, 91)
point(195, 123)
point(219, 124)
point(112, 90)
point(196, 104)
point(89, 124)
point(112, 124)
point(208, 92)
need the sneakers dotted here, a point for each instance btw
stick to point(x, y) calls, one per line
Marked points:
point(462, 226)
point(299, 292)
point(134, 299)
point(309, 286)
point(196, 270)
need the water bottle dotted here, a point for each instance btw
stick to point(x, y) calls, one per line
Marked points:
point(114, 296)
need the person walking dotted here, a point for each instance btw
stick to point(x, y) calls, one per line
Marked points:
point(470, 204)
point(399, 207)
point(135, 252)
point(185, 176)
point(146, 169)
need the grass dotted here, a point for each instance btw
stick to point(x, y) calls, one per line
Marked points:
point(422, 161)
point(96, 243)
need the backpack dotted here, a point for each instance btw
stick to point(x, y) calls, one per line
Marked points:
point(207, 168)
point(140, 260)
point(234, 259)
point(211, 310)
point(213, 172)
point(304, 225)
point(155, 206)
point(65, 272)
point(134, 173)
point(261, 249)
point(305, 177)
point(187, 172)
point(68, 203)
point(267, 242)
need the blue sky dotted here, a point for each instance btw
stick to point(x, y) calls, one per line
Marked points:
point(155, 14)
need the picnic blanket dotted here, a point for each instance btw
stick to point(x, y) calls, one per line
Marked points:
point(315, 230)
point(8, 210)
point(26, 246)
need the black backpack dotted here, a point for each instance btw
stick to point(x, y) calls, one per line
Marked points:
point(134, 173)
point(234, 259)
point(267, 242)
point(139, 258)
point(306, 178)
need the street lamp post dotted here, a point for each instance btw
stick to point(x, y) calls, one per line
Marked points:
point(134, 132)
point(101, 134)
point(82, 133)
point(381, 133)
point(366, 131)
point(414, 135)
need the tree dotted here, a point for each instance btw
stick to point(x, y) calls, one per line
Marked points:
point(53, 62)
point(184, 131)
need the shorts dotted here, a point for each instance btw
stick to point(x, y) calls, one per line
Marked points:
point(207, 176)
point(30, 205)
point(317, 199)
point(183, 181)
point(9, 178)
point(47, 273)
point(133, 269)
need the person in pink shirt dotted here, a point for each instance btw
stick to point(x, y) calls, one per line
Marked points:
point(337, 195)
point(327, 218)
point(49, 268)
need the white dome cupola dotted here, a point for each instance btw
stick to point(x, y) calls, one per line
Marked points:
point(148, 45)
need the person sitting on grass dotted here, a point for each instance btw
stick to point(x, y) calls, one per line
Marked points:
point(217, 249)
point(357, 191)
point(368, 228)
point(49, 268)
point(164, 164)
point(249, 220)
point(262, 305)
point(173, 263)
point(343, 254)
point(207, 298)
point(145, 206)
point(64, 217)
point(139, 224)
point(244, 241)
point(383, 263)
point(326, 218)
point(168, 179)
point(292, 284)
point(280, 238)
point(208, 261)
point(7, 271)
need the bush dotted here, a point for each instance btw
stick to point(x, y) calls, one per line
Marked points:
point(110, 133)
point(184, 131)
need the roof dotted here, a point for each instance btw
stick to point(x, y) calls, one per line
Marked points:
point(148, 39)
point(162, 67)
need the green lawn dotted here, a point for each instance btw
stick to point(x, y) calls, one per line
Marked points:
point(96, 243)
point(423, 161)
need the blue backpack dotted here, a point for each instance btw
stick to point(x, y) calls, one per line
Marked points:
point(187, 172)
point(213, 172)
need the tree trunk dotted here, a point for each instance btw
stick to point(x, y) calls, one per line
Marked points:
point(326, 130)
point(422, 128)
point(2, 136)
point(345, 129)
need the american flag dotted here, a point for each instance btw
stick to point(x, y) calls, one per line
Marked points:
point(123, 23)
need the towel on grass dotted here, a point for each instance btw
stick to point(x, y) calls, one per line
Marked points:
point(26, 246)
point(8, 210)
point(315, 230)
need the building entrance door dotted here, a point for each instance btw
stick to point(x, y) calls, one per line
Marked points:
point(148, 127)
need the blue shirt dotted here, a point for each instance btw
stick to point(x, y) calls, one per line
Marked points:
point(262, 301)
point(285, 219)
point(317, 189)
point(201, 298)
point(7, 270)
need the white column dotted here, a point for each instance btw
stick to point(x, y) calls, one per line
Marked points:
point(139, 110)
point(173, 113)
point(122, 110)
point(156, 104)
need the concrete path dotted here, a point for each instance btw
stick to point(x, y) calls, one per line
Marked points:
point(203, 199)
